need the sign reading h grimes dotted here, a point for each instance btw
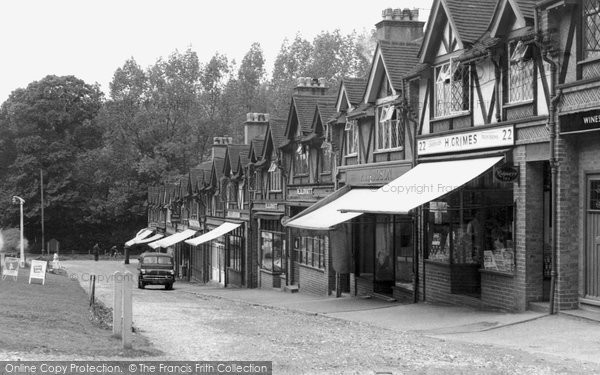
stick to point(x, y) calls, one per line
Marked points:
point(473, 140)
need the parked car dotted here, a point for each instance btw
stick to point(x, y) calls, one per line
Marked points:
point(156, 269)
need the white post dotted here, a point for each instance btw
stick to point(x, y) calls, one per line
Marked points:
point(117, 302)
point(21, 201)
point(127, 309)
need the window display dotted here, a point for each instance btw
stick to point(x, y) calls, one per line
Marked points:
point(474, 226)
point(272, 245)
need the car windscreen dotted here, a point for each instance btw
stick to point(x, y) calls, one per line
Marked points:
point(157, 260)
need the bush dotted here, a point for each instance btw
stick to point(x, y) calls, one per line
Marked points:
point(10, 241)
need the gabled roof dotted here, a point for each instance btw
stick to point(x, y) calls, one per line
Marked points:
point(235, 153)
point(355, 89)
point(527, 7)
point(324, 110)
point(303, 106)
point(219, 165)
point(471, 17)
point(398, 58)
point(468, 19)
point(256, 147)
point(277, 129)
point(521, 9)
point(196, 178)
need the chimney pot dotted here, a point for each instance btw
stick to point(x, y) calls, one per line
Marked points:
point(397, 15)
point(407, 14)
point(387, 13)
point(248, 116)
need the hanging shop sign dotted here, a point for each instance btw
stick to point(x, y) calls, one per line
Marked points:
point(506, 173)
point(580, 122)
point(473, 140)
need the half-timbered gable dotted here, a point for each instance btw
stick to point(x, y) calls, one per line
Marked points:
point(344, 131)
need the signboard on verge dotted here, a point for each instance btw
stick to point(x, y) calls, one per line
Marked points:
point(38, 270)
point(10, 267)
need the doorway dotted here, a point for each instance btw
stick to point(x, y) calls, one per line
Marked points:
point(592, 247)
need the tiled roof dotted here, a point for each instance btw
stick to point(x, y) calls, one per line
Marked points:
point(527, 7)
point(278, 131)
point(480, 47)
point(416, 70)
point(471, 17)
point(257, 144)
point(355, 89)
point(219, 164)
point(399, 59)
point(326, 108)
point(196, 178)
point(305, 109)
point(234, 152)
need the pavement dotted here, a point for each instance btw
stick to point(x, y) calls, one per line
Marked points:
point(575, 335)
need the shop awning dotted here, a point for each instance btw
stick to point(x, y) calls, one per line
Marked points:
point(326, 214)
point(215, 233)
point(422, 184)
point(156, 237)
point(172, 239)
point(140, 235)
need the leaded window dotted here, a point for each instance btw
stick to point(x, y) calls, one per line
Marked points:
point(452, 85)
point(301, 161)
point(520, 72)
point(591, 28)
point(390, 132)
point(274, 177)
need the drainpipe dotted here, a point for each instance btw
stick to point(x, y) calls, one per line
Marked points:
point(554, 137)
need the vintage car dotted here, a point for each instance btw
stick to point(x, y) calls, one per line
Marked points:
point(156, 269)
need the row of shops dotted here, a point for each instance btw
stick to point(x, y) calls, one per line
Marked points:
point(464, 169)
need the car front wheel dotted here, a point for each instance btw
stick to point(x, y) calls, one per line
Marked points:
point(140, 283)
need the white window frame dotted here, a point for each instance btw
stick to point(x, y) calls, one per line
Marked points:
point(384, 123)
point(351, 130)
point(301, 157)
point(275, 179)
point(594, 15)
point(443, 89)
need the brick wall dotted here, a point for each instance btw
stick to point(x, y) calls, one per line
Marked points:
point(437, 282)
point(360, 286)
point(269, 280)
point(500, 291)
point(312, 280)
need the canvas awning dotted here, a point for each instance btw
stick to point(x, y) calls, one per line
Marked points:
point(140, 235)
point(215, 233)
point(326, 214)
point(156, 237)
point(420, 185)
point(172, 239)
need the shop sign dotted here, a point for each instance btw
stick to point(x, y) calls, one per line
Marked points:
point(375, 175)
point(38, 270)
point(304, 191)
point(580, 122)
point(175, 217)
point(474, 140)
point(10, 267)
point(234, 214)
point(506, 173)
point(271, 206)
point(194, 223)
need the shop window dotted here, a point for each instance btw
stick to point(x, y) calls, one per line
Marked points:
point(351, 131)
point(591, 28)
point(272, 249)
point(520, 72)
point(452, 85)
point(235, 253)
point(474, 225)
point(311, 251)
point(594, 202)
point(389, 129)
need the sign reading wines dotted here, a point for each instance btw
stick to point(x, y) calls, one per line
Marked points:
point(580, 122)
point(473, 140)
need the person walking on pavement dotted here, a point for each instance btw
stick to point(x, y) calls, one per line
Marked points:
point(96, 251)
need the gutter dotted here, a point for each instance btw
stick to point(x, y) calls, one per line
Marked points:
point(554, 164)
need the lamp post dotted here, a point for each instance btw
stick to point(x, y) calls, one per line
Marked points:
point(21, 202)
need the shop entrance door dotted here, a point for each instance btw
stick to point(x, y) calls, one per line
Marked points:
point(217, 262)
point(592, 249)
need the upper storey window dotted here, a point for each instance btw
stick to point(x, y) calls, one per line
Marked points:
point(452, 84)
point(351, 130)
point(520, 72)
point(591, 28)
point(390, 132)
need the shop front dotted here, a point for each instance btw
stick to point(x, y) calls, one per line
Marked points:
point(270, 241)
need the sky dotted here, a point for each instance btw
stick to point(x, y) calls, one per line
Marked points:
point(90, 39)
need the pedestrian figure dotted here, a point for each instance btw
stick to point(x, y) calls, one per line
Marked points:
point(113, 251)
point(96, 251)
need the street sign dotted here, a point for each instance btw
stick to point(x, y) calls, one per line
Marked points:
point(38, 270)
point(10, 267)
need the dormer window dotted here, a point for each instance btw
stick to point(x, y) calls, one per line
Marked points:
point(301, 161)
point(274, 177)
point(389, 129)
point(520, 72)
point(591, 28)
point(351, 131)
point(452, 85)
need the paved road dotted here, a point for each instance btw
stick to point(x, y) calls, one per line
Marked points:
point(203, 323)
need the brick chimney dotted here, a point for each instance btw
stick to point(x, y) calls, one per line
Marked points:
point(255, 125)
point(307, 86)
point(220, 147)
point(399, 25)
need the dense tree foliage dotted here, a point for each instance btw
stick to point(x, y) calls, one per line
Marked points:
point(98, 155)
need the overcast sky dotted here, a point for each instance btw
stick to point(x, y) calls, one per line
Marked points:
point(91, 39)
